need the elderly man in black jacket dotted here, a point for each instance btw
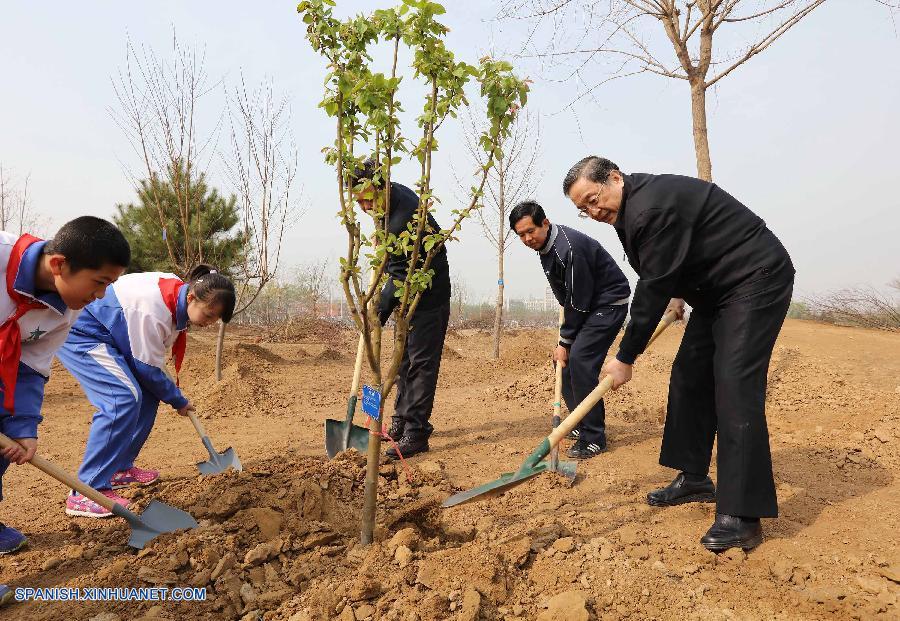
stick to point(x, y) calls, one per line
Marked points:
point(417, 379)
point(594, 293)
point(689, 240)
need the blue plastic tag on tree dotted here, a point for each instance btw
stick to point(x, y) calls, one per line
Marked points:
point(371, 402)
point(500, 282)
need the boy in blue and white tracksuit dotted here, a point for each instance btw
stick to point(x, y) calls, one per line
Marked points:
point(117, 351)
point(46, 283)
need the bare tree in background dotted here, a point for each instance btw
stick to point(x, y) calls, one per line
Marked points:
point(459, 297)
point(513, 178)
point(16, 212)
point(618, 33)
point(314, 280)
point(159, 110)
point(263, 167)
point(859, 306)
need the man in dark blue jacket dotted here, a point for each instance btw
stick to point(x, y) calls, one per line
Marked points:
point(690, 240)
point(417, 380)
point(593, 292)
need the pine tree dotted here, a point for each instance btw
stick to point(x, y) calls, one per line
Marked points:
point(210, 221)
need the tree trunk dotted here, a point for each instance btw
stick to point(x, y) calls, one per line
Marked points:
point(498, 309)
point(701, 136)
point(220, 343)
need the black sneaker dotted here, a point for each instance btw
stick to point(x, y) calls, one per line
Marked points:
point(407, 447)
point(574, 435)
point(586, 451)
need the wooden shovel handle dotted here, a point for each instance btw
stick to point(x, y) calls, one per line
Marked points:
point(360, 350)
point(63, 477)
point(574, 417)
point(557, 390)
point(197, 424)
point(357, 369)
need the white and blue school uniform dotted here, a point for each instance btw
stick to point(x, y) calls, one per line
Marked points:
point(117, 352)
point(42, 330)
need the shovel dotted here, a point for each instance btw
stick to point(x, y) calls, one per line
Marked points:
point(565, 468)
point(341, 435)
point(157, 518)
point(533, 466)
point(218, 462)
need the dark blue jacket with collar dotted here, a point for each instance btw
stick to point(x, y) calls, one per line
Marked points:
point(583, 276)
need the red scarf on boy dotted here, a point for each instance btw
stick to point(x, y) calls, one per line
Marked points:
point(10, 334)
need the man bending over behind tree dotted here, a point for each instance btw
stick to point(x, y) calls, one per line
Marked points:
point(593, 292)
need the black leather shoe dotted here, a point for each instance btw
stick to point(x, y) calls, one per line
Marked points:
point(574, 435)
point(730, 531)
point(407, 447)
point(584, 450)
point(396, 429)
point(681, 490)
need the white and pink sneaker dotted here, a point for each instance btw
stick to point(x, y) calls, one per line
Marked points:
point(82, 506)
point(134, 476)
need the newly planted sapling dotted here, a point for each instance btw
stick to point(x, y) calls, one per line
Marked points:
point(365, 106)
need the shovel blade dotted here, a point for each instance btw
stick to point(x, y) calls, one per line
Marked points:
point(157, 518)
point(336, 439)
point(505, 482)
point(220, 462)
point(567, 469)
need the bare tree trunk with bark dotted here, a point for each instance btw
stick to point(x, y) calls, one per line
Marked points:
point(616, 30)
point(512, 179)
point(159, 110)
point(263, 167)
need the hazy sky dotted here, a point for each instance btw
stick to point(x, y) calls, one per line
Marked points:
point(806, 134)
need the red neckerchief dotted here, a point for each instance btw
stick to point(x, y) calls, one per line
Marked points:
point(169, 288)
point(10, 334)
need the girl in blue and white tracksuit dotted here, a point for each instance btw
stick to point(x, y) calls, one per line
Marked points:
point(117, 352)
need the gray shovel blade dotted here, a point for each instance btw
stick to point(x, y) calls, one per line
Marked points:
point(219, 462)
point(566, 469)
point(157, 518)
point(337, 439)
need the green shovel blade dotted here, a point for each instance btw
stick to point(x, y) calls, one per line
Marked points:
point(506, 481)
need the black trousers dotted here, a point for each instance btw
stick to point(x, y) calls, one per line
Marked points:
point(418, 376)
point(582, 373)
point(718, 383)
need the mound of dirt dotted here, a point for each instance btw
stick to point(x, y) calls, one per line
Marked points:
point(306, 329)
point(329, 353)
point(281, 538)
point(450, 354)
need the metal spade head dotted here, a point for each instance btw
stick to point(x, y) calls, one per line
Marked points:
point(338, 439)
point(157, 518)
point(567, 469)
point(343, 434)
point(218, 462)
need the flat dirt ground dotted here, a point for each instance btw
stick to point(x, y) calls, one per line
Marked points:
point(278, 541)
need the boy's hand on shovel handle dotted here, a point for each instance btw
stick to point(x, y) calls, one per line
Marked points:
point(184, 411)
point(21, 453)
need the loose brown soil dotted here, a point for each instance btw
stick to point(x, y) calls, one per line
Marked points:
point(279, 540)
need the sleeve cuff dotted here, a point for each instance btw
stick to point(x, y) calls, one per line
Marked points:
point(179, 402)
point(566, 344)
point(20, 426)
point(626, 357)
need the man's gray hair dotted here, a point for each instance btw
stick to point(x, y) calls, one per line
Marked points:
point(592, 168)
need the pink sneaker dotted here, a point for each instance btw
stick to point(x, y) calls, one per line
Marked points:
point(81, 506)
point(134, 475)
